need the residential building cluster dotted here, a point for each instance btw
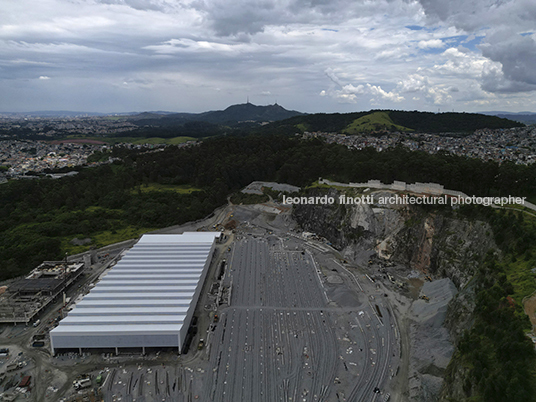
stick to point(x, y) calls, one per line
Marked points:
point(18, 157)
point(54, 126)
point(516, 144)
point(22, 156)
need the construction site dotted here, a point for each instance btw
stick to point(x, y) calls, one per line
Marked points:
point(243, 305)
point(22, 301)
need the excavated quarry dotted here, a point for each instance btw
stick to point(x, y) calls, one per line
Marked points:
point(432, 253)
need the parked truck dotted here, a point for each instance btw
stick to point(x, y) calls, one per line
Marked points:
point(81, 384)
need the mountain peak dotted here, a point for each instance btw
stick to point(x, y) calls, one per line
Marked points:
point(232, 115)
point(249, 112)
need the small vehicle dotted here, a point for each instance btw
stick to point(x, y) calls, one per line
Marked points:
point(83, 383)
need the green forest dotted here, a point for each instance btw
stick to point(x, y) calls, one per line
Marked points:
point(391, 120)
point(496, 358)
point(238, 123)
point(40, 217)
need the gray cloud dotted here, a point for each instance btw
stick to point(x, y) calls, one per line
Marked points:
point(477, 14)
point(313, 55)
point(504, 22)
point(517, 55)
point(244, 16)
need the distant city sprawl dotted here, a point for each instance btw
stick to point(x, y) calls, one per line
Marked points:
point(52, 127)
point(20, 157)
point(515, 144)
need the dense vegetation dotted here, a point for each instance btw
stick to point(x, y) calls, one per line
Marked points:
point(496, 358)
point(245, 118)
point(39, 218)
point(449, 122)
point(500, 358)
point(326, 122)
point(392, 120)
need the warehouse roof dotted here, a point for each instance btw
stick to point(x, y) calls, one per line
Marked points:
point(148, 292)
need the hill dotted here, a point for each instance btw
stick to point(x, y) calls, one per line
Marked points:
point(449, 122)
point(373, 122)
point(391, 120)
point(248, 112)
point(231, 116)
point(522, 117)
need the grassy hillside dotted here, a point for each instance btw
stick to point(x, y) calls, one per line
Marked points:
point(327, 122)
point(373, 122)
point(393, 120)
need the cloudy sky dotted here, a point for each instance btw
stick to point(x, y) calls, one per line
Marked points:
point(306, 55)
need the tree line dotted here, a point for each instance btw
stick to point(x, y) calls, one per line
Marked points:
point(38, 216)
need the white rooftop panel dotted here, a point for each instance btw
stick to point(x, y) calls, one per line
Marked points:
point(158, 261)
point(123, 319)
point(171, 251)
point(171, 248)
point(187, 237)
point(146, 297)
point(142, 290)
point(161, 264)
point(125, 296)
point(178, 242)
point(143, 282)
point(165, 258)
point(69, 330)
point(87, 303)
point(169, 257)
point(125, 276)
point(140, 275)
point(128, 311)
point(176, 267)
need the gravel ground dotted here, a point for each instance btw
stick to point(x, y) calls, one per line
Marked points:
point(431, 348)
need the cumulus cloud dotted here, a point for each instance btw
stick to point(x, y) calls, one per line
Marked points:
point(377, 91)
point(349, 93)
point(458, 62)
point(434, 94)
point(430, 44)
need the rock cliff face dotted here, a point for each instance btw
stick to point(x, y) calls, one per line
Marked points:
point(436, 244)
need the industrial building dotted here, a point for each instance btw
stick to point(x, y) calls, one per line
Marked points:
point(146, 300)
point(24, 299)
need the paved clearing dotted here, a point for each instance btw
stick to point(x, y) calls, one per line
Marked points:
point(281, 339)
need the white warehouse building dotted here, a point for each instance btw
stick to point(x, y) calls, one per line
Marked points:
point(147, 299)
